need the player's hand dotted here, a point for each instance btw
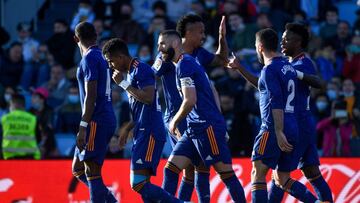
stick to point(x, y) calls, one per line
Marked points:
point(172, 127)
point(282, 142)
point(80, 138)
point(123, 137)
point(222, 27)
point(117, 76)
point(233, 62)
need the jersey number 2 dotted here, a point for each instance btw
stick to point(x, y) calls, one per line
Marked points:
point(290, 98)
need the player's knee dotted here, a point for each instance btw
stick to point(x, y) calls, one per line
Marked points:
point(92, 169)
point(226, 174)
point(311, 171)
point(281, 179)
point(189, 173)
point(77, 172)
point(137, 181)
point(170, 166)
point(258, 173)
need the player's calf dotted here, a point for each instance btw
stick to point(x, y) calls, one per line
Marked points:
point(322, 189)
point(293, 187)
point(187, 184)
point(232, 183)
point(202, 175)
point(258, 181)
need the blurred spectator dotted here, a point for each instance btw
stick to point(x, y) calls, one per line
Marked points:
point(332, 91)
point(11, 67)
point(69, 113)
point(101, 32)
point(107, 10)
point(29, 44)
point(5, 101)
point(176, 8)
point(4, 38)
point(242, 35)
point(233, 83)
point(357, 23)
point(37, 71)
point(352, 61)
point(329, 27)
point(145, 55)
point(337, 131)
point(157, 25)
point(62, 45)
point(58, 86)
point(326, 62)
point(263, 21)
point(342, 38)
point(143, 11)
point(348, 90)
point(277, 15)
point(44, 128)
point(159, 9)
point(18, 127)
point(128, 29)
point(85, 13)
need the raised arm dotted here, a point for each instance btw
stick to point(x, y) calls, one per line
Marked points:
point(235, 64)
point(221, 55)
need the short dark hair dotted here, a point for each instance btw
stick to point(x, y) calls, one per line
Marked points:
point(184, 21)
point(159, 4)
point(173, 33)
point(18, 100)
point(115, 45)
point(268, 38)
point(86, 32)
point(299, 30)
point(333, 9)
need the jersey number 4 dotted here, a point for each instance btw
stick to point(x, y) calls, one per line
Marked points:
point(290, 87)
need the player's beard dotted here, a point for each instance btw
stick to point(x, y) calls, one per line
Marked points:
point(260, 58)
point(169, 54)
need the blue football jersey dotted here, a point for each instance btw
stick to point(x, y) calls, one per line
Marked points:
point(203, 56)
point(277, 85)
point(305, 65)
point(166, 71)
point(145, 116)
point(205, 112)
point(94, 67)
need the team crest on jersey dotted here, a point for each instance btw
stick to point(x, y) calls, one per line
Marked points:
point(157, 64)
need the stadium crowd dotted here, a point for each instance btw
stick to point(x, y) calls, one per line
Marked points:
point(44, 70)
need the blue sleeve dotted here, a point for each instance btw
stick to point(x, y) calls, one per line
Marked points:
point(309, 67)
point(273, 84)
point(160, 67)
point(90, 68)
point(186, 69)
point(144, 76)
point(204, 57)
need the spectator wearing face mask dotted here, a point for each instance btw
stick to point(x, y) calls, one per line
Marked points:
point(145, 55)
point(85, 13)
point(337, 131)
point(332, 91)
point(45, 118)
point(352, 61)
point(69, 114)
point(242, 35)
point(5, 101)
point(128, 29)
point(37, 71)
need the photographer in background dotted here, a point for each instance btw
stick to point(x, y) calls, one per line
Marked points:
point(337, 131)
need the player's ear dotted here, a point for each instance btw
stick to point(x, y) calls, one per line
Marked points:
point(76, 39)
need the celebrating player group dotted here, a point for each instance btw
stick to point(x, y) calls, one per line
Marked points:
point(193, 118)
